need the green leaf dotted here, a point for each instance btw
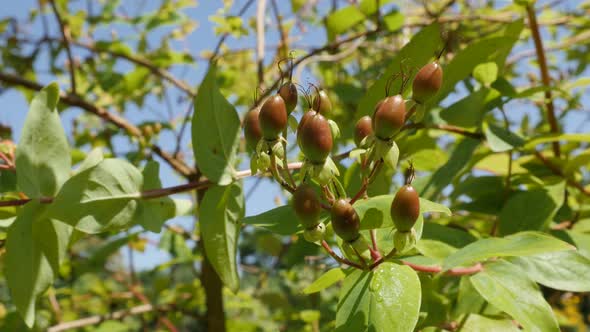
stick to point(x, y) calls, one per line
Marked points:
point(517, 214)
point(468, 299)
point(93, 158)
point(435, 249)
point(387, 299)
point(477, 322)
point(500, 139)
point(325, 280)
point(583, 138)
point(221, 210)
point(493, 49)
point(98, 258)
point(375, 212)
point(27, 269)
point(394, 20)
point(430, 206)
point(469, 111)
point(519, 244)
point(507, 287)
point(564, 270)
point(101, 198)
point(457, 162)
point(152, 213)
point(281, 220)
point(215, 131)
point(344, 19)
point(421, 48)
point(486, 73)
point(175, 244)
point(43, 155)
point(454, 237)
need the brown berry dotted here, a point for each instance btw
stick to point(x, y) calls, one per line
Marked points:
point(405, 208)
point(389, 116)
point(427, 82)
point(362, 129)
point(345, 221)
point(252, 131)
point(306, 204)
point(288, 92)
point(308, 115)
point(322, 104)
point(273, 117)
point(315, 138)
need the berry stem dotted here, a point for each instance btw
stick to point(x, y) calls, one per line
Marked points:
point(277, 175)
point(411, 112)
point(364, 263)
point(327, 194)
point(368, 180)
point(374, 239)
point(285, 162)
point(339, 259)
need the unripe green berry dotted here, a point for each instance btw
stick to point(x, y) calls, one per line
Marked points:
point(315, 234)
point(404, 241)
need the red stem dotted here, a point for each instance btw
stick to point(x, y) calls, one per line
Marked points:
point(339, 259)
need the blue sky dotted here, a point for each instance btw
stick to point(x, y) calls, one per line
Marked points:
point(14, 105)
point(203, 38)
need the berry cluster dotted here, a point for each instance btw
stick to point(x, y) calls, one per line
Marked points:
point(265, 130)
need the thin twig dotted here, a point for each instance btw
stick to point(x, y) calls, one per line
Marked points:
point(115, 315)
point(260, 14)
point(283, 46)
point(339, 259)
point(65, 32)
point(225, 35)
point(122, 123)
point(544, 75)
point(157, 193)
point(557, 171)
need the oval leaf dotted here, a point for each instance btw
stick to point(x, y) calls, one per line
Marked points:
point(325, 280)
point(100, 198)
point(387, 299)
point(43, 159)
point(519, 244)
point(221, 210)
point(215, 131)
point(507, 287)
point(564, 270)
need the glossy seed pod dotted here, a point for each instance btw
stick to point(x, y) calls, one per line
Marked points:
point(273, 117)
point(427, 82)
point(389, 116)
point(405, 208)
point(288, 92)
point(306, 203)
point(321, 103)
point(252, 131)
point(362, 129)
point(345, 221)
point(315, 138)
